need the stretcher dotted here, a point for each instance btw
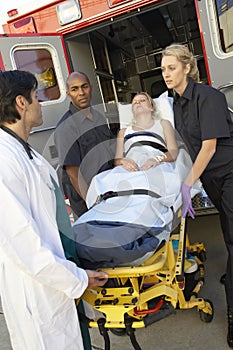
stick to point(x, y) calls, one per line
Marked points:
point(131, 213)
point(137, 296)
point(130, 232)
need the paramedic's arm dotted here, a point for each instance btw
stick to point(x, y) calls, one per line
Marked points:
point(170, 139)
point(128, 164)
point(207, 151)
point(77, 180)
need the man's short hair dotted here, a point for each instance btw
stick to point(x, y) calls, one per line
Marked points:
point(12, 84)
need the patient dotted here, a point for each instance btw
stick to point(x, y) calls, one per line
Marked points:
point(161, 130)
point(133, 206)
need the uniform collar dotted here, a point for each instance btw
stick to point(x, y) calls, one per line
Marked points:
point(188, 92)
point(25, 145)
point(81, 115)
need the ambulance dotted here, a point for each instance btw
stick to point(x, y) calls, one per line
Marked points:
point(118, 44)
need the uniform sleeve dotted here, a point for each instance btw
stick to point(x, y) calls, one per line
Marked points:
point(213, 115)
point(39, 256)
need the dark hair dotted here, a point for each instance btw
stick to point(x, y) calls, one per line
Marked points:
point(12, 84)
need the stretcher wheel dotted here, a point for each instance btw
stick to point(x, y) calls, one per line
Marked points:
point(118, 331)
point(202, 255)
point(207, 314)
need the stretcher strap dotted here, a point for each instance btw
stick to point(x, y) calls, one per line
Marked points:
point(147, 143)
point(112, 194)
point(144, 133)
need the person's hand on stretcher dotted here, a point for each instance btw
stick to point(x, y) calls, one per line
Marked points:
point(96, 278)
point(187, 207)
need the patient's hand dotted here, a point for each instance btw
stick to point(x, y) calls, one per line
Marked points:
point(96, 278)
point(129, 164)
point(150, 163)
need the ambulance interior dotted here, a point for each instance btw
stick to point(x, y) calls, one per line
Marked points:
point(125, 53)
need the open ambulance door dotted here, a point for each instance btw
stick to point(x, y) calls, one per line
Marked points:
point(44, 56)
point(216, 24)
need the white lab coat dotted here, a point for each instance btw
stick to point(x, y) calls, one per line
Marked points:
point(37, 284)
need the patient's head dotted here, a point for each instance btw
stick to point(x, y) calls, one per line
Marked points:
point(143, 104)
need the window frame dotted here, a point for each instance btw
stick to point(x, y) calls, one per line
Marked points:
point(56, 65)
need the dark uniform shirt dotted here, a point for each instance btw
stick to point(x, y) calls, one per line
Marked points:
point(200, 114)
point(85, 143)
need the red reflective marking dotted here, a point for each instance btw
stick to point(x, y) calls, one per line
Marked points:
point(2, 67)
point(12, 13)
point(115, 2)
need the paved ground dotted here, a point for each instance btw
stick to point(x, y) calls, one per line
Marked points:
point(184, 329)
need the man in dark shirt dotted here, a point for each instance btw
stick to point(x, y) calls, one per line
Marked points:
point(84, 142)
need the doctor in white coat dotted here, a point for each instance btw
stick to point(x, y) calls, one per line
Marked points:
point(38, 284)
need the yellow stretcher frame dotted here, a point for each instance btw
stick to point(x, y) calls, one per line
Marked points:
point(164, 273)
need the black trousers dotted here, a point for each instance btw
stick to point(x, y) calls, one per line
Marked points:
point(218, 184)
point(77, 204)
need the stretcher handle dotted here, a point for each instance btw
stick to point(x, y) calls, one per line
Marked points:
point(181, 254)
point(150, 311)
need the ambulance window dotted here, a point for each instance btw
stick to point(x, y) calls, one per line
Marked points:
point(40, 63)
point(225, 13)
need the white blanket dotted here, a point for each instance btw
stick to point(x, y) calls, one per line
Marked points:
point(127, 229)
point(165, 180)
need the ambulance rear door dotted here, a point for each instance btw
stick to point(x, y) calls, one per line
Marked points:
point(45, 56)
point(216, 24)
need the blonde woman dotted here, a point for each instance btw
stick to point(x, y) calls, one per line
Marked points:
point(204, 122)
point(147, 122)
